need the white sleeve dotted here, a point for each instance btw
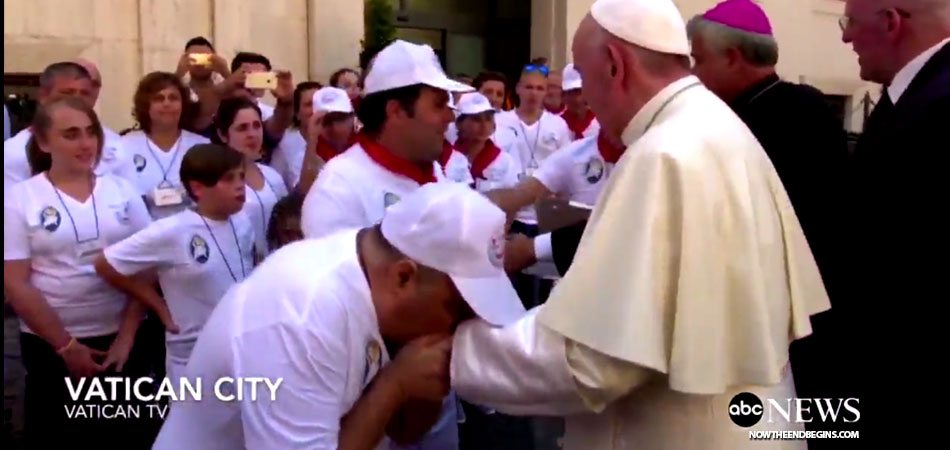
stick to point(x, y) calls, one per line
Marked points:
point(152, 247)
point(543, 251)
point(124, 167)
point(331, 205)
point(312, 362)
point(554, 172)
point(565, 135)
point(279, 162)
point(16, 167)
point(276, 182)
point(16, 237)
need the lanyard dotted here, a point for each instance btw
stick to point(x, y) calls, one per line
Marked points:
point(261, 202)
point(95, 212)
point(221, 251)
point(531, 148)
point(165, 170)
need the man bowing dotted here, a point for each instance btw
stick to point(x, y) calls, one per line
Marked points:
point(690, 282)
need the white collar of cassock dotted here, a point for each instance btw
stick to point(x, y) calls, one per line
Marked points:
point(648, 114)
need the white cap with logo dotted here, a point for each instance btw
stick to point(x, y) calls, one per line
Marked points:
point(453, 229)
point(331, 99)
point(571, 79)
point(403, 64)
point(652, 24)
point(474, 103)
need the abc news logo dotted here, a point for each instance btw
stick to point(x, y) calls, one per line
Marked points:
point(746, 410)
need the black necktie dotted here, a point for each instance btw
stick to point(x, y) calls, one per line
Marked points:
point(884, 108)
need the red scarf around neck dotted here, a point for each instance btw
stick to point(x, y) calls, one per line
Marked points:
point(395, 164)
point(326, 152)
point(608, 151)
point(447, 150)
point(488, 155)
point(578, 125)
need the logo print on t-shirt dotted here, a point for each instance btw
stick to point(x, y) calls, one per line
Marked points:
point(594, 171)
point(496, 250)
point(390, 199)
point(50, 219)
point(374, 354)
point(139, 162)
point(198, 247)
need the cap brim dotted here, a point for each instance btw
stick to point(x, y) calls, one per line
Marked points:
point(571, 86)
point(493, 299)
point(449, 84)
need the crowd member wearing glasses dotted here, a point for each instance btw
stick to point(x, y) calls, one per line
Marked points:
point(287, 159)
point(899, 178)
point(59, 80)
point(164, 110)
point(537, 134)
point(72, 323)
point(240, 126)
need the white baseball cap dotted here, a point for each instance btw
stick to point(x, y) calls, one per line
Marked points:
point(571, 78)
point(452, 228)
point(652, 24)
point(331, 99)
point(403, 64)
point(474, 103)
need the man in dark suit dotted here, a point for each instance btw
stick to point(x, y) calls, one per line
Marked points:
point(898, 182)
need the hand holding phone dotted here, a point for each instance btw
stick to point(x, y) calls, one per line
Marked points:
point(261, 80)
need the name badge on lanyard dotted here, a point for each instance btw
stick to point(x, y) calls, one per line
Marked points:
point(167, 195)
point(87, 251)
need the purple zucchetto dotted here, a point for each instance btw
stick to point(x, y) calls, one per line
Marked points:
point(743, 15)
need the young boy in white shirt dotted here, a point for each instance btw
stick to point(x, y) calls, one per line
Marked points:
point(198, 253)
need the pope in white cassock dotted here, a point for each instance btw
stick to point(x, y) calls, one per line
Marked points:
point(692, 278)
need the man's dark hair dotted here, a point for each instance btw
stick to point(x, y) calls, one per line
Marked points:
point(249, 58)
point(199, 40)
point(481, 78)
point(372, 109)
point(207, 164)
point(298, 93)
point(286, 208)
point(62, 69)
point(335, 78)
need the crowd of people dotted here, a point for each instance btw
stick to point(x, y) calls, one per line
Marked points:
point(384, 242)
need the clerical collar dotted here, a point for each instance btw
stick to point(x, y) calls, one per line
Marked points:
point(650, 112)
point(755, 91)
point(327, 152)
point(578, 124)
point(608, 151)
point(484, 159)
point(395, 164)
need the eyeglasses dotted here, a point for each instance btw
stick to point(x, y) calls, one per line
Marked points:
point(543, 70)
point(845, 22)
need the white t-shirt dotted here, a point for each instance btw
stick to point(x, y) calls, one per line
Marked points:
point(457, 169)
point(578, 170)
point(353, 191)
point(42, 226)
point(258, 206)
point(195, 267)
point(532, 144)
point(266, 110)
point(155, 167)
point(305, 315)
point(115, 158)
point(287, 158)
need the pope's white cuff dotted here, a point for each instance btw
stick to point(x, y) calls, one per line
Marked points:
point(543, 252)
